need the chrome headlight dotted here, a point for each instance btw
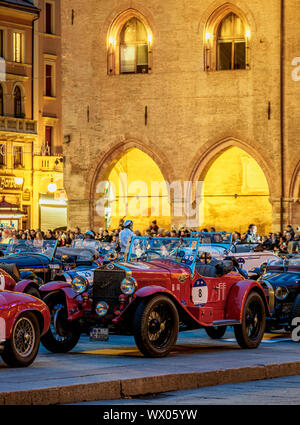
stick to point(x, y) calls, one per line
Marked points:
point(128, 286)
point(102, 308)
point(79, 284)
point(281, 292)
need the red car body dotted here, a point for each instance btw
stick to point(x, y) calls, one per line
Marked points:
point(12, 304)
point(200, 301)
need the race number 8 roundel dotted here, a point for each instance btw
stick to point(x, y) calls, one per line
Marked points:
point(199, 292)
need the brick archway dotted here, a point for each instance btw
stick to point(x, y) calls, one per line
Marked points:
point(294, 197)
point(209, 152)
point(106, 161)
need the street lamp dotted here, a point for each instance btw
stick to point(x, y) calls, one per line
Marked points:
point(52, 187)
point(19, 180)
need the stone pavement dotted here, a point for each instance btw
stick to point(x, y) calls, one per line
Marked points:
point(114, 370)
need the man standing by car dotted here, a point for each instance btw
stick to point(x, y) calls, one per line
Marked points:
point(252, 236)
point(125, 235)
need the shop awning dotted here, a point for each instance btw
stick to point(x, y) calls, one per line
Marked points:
point(8, 210)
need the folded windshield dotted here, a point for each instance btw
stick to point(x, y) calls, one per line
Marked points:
point(183, 250)
point(212, 238)
point(22, 246)
point(103, 248)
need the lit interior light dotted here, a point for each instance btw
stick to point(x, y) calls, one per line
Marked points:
point(19, 180)
point(52, 187)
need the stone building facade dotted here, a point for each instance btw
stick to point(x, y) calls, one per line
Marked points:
point(30, 115)
point(187, 84)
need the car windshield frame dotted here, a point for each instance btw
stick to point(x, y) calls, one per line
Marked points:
point(178, 249)
point(32, 247)
point(284, 262)
point(211, 235)
point(102, 247)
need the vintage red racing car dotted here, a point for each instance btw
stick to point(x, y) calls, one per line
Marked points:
point(162, 288)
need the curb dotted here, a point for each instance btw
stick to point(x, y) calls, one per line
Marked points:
point(120, 389)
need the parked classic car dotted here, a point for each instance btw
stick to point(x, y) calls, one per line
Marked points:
point(37, 262)
point(163, 286)
point(281, 283)
point(220, 245)
point(23, 319)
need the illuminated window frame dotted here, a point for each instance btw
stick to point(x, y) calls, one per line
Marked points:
point(18, 46)
point(210, 37)
point(113, 41)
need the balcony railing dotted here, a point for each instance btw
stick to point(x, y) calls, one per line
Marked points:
point(48, 163)
point(18, 125)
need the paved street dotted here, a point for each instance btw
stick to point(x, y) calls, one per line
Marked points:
point(119, 359)
point(272, 391)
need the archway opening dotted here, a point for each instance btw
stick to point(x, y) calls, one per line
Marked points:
point(236, 193)
point(135, 190)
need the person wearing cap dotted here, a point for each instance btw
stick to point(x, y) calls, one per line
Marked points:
point(89, 235)
point(125, 235)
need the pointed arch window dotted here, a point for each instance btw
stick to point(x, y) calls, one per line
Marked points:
point(17, 102)
point(129, 44)
point(133, 48)
point(231, 43)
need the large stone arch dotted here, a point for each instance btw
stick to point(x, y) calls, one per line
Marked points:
point(106, 161)
point(207, 154)
point(210, 152)
point(294, 197)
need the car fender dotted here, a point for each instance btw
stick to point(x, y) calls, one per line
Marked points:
point(237, 297)
point(24, 284)
point(72, 299)
point(147, 291)
point(26, 303)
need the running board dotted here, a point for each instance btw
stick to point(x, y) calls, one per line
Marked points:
point(226, 322)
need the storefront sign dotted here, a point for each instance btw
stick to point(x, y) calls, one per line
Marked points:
point(8, 183)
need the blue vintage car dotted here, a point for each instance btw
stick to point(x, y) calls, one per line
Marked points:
point(281, 283)
point(39, 262)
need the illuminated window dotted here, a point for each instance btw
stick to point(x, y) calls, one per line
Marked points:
point(18, 157)
point(231, 43)
point(129, 44)
point(2, 155)
point(18, 102)
point(17, 47)
point(133, 48)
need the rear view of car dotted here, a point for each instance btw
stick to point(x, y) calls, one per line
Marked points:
point(23, 319)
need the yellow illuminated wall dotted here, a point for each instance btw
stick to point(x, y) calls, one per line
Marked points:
point(140, 170)
point(236, 173)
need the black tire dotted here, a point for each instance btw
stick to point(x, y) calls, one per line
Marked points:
point(295, 313)
point(33, 291)
point(216, 332)
point(249, 334)
point(22, 348)
point(66, 336)
point(12, 270)
point(150, 314)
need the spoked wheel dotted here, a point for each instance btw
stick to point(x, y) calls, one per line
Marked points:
point(62, 335)
point(216, 332)
point(249, 334)
point(155, 326)
point(22, 347)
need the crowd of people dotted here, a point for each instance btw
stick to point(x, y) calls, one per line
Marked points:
point(286, 242)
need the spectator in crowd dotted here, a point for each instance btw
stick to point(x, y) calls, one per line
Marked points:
point(252, 236)
point(267, 243)
point(126, 234)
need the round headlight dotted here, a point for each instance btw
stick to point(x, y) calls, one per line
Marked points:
point(79, 284)
point(128, 285)
point(281, 292)
point(102, 308)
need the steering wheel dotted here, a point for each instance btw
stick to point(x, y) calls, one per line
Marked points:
point(204, 257)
